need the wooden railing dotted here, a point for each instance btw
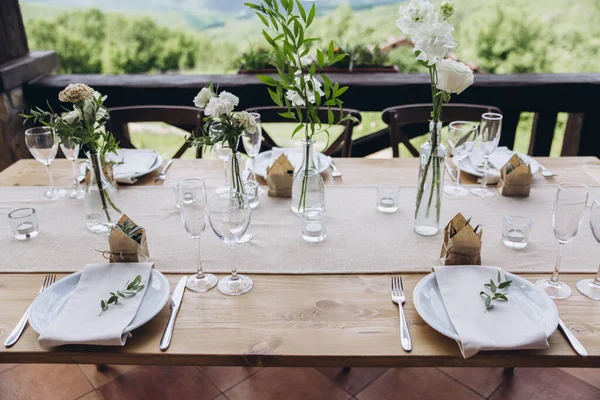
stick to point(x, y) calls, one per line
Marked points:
point(546, 95)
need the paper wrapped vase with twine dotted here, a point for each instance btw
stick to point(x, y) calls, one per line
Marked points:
point(462, 243)
point(127, 242)
point(516, 178)
point(280, 177)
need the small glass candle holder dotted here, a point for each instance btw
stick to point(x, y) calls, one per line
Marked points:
point(388, 198)
point(515, 231)
point(24, 223)
point(251, 188)
point(314, 228)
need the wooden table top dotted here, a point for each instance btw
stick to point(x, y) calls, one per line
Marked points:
point(298, 320)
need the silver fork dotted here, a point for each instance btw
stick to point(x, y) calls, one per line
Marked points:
point(399, 298)
point(335, 172)
point(16, 333)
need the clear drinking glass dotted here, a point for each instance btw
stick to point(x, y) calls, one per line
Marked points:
point(24, 223)
point(229, 217)
point(314, 228)
point(388, 198)
point(192, 206)
point(569, 207)
point(591, 287)
point(43, 145)
point(252, 142)
point(515, 231)
point(461, 137)
point(489, 134)
point(251, 189)
point(71, 152)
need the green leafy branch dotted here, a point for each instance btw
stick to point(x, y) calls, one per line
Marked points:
point(286, 32)
point(131, 230)
point(131, 289)
point(495, 295)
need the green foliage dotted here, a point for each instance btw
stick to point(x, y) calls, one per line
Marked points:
point(254, 59)
point(361, 55)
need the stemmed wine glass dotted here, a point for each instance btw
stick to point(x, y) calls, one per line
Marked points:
point(591, 287)
point(489, 134)
point(252, 142)
point(462, 137)
point(569, 207)
point(229, 216)
point(192, 206)
point(43, 145)
point(71, 152)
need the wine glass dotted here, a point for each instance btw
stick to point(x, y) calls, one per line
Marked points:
point(71, 151)
point(43, 145)
point(192, 206)
point(461, 138)
point(591, 287)
point(252, 142)
point(569, 207)
point(489, 134)
point(229, 216)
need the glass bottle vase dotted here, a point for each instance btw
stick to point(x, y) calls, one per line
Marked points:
point(101, 200)
point(308, 190)
point(235, 182)
point(430, 184)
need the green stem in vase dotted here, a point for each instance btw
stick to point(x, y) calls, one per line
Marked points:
point(98, 173)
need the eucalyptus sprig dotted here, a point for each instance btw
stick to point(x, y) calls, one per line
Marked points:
point(131, 230)
point(494, 288)
point(131, 289)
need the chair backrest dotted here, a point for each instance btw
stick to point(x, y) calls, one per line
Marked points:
point(409, 121)
point(342, 146)
point(188, 119)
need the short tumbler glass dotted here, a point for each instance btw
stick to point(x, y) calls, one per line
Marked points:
point(24, 223)
point(388, 198)
point(251, 188)
point(314, 228)
point(515, 231)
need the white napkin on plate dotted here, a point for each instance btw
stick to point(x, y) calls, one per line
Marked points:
point(504, 327)
point(80, 321)
point(132, 162)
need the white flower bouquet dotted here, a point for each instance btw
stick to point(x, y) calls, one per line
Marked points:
point(431, 34)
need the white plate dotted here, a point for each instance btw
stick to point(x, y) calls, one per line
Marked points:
point(536, 305)
point(159, 160)
point(263, 160)
point(49, 304)
point(472, 164)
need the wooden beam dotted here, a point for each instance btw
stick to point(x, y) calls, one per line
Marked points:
point(24, 69)
point(542, 133)
point(13, 41)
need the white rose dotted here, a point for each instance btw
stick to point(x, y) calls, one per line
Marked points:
point(453, 76)
point(310, 93)
point(203, 97)
point(228, 97)
point(75, 92)
point(244, 120)
point(217, 106)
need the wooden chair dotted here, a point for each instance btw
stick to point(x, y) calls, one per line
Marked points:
point(188, 119)
point(342, 146)
point(409, 121)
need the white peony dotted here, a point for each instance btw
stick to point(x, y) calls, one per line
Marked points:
point(203, 97)
point(310, 93)
point(231, 98)
point(453, 76)
point(244, 120)
point(75, 92)
point(217, 106)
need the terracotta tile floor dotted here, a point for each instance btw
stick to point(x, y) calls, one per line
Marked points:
point(84, 382)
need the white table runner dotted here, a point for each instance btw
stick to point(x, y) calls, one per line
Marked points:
point(359, 238)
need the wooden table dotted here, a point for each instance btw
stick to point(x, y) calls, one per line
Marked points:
point(291, 320)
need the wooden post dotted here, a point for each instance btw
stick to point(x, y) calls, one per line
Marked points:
point(17, 66)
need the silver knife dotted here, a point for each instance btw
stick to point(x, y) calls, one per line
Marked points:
point(165, 341)
point(572, 339)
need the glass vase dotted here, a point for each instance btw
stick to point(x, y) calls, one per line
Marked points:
point(101, 200)
point(308, 190)
point(235, 182)
point(431, 181)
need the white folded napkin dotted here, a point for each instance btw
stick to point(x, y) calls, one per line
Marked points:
point(81, 320)
point(131, 162)
point(504, 327)
point(294, 154)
